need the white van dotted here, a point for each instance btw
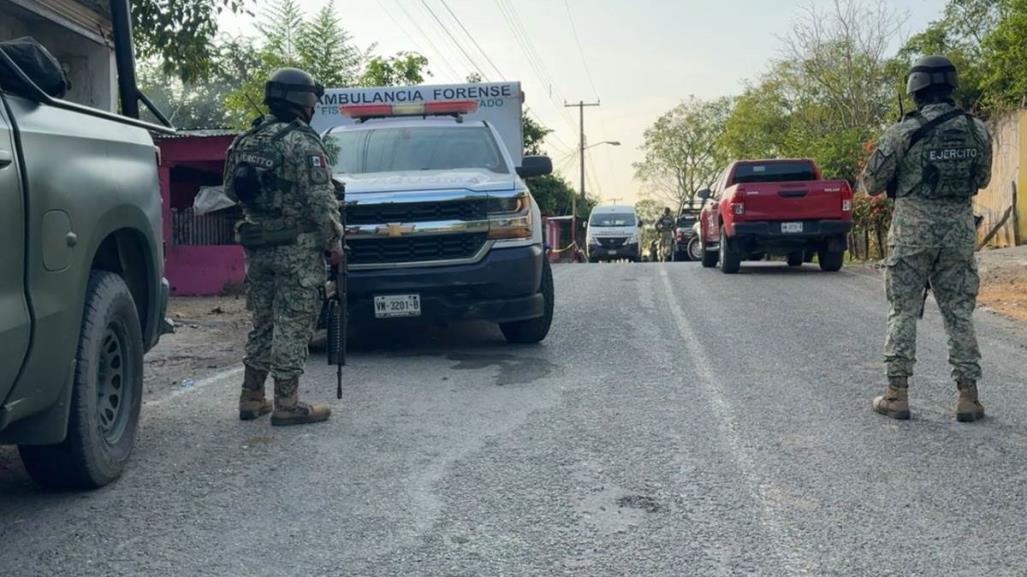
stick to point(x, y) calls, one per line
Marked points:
point(613, 234)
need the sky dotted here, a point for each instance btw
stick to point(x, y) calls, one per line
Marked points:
point(638, 59)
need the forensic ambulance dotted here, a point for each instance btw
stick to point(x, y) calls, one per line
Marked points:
point(439, 222)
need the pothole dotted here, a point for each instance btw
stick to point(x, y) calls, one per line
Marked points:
point(643, 502)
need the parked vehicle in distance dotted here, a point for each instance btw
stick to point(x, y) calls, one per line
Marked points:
point(686, 241)
point(613, 234)
point(760, 208)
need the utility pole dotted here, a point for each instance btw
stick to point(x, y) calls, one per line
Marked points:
point(581, 105)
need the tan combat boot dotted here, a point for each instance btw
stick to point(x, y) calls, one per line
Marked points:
point(968, 408)
point(252, 402)
point(894, 402)
point(290, 411)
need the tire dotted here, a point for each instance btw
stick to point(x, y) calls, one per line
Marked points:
point(533, 331)
point(695, 251)
point(106, 395)
point(831, 261)
point(730, 261)
point(796, 258)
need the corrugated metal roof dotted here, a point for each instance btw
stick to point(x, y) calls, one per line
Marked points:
point(199, 133)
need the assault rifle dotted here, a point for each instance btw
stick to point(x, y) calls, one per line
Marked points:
point(338, 318)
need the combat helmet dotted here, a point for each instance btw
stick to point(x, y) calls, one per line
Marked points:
point(935, 72)
point(292, 86)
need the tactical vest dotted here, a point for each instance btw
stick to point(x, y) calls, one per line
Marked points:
point(258, 183)
point(948, 151)
point(258, 161)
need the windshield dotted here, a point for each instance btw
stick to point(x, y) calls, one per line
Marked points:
point(612, 219)
point(773, 172)
point(401, 149)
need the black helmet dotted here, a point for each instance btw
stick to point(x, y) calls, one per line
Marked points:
point(932, 71)
point(292, 86)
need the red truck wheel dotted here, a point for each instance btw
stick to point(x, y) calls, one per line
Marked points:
point(831, 261)
point(730, 260)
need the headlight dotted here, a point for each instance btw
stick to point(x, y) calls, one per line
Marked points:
point(510, 217)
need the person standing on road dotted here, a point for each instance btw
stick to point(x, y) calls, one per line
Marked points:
point(932, 162)
point(665, 226)
point(278, 171)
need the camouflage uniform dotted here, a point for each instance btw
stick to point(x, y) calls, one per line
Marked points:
point(932, 234)
point(665, 226)
point(298, 210)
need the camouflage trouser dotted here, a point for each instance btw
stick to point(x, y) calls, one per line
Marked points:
point(666, 244)
point(954, 283)
point(283, 293)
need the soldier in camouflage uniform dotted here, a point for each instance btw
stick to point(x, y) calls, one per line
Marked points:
point(932, 162)
point(665, 226)
point(278, 171)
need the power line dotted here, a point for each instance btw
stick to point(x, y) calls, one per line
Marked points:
point(471, 36)
point(425, 37)
point(459, 46)
point(581, 51)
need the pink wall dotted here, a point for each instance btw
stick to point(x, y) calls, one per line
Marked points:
point(195, 270)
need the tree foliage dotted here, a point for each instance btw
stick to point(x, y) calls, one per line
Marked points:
point(201, 104)
point(320, 45)
point(179, 34)
point(832, 92)
point(682, 152)
point(401, 69)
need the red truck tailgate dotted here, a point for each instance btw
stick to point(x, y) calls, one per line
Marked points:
point(799, 200)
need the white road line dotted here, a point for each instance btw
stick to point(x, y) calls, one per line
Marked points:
point(795, 558)
point(200, 384)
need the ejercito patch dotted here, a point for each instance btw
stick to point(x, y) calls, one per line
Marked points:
point(947, 154)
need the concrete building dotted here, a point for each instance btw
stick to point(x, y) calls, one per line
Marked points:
point(78, 33)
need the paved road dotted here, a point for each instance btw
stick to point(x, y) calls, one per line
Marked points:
point(676, 422)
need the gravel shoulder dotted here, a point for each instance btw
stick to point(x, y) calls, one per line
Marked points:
point(1004, 281)
point(209, 336)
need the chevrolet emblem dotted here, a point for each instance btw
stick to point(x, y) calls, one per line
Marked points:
point(394, 229)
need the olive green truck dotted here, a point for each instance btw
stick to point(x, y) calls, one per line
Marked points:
point(82, 293)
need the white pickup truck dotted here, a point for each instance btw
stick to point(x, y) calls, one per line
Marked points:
point(440, 223)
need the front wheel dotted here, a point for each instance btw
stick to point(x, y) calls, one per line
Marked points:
point(831, 261)
point(796, 258)
point(534, 330)
point(106, 395)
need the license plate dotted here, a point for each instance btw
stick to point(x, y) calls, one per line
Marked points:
point(791, 227)
point(393, 306)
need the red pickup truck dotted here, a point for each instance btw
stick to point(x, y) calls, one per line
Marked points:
point(778, 208)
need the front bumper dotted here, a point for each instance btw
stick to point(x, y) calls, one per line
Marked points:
point(502, 287)
point(599, 252)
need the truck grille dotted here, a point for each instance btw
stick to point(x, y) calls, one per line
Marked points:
point(468, 210)
point(414, 249)
point(611, 242)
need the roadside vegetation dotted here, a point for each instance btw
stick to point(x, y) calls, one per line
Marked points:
point(836, 85)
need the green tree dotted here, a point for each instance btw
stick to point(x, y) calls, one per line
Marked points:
point(401, 69)
point(534, 134)
point(200, 104)
point(682, 153)
point(1004, 50)
point(179, 35)
point(326, 49)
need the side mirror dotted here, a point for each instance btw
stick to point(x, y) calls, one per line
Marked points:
point(704, 194)
point(535, 166)
point(639, 223)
